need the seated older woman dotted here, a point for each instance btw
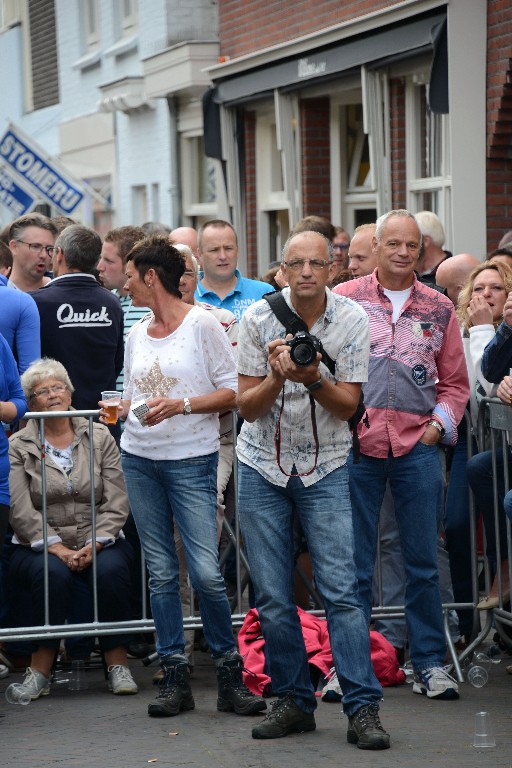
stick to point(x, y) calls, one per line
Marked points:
point(69, 522)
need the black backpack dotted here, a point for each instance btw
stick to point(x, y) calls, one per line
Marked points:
point(293, 323)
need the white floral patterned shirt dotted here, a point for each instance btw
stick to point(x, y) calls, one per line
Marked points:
point(343, 331)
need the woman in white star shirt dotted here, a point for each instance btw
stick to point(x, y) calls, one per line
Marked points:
point(181, 355)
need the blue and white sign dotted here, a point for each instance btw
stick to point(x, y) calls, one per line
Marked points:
point(42, 173)
point(14, 197)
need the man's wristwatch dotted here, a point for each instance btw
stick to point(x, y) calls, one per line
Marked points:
point(315, 385)
point(438, 426)
point(187, 408)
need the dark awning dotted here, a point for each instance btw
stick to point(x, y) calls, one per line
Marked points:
point(405, 37)
point(438, 91)
point(423, 33)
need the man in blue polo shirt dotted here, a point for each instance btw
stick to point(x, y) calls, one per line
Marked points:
point(221, 284)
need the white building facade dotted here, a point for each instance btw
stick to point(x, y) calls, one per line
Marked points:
point(111, 90)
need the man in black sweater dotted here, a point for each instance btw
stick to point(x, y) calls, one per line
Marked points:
point(81, 322)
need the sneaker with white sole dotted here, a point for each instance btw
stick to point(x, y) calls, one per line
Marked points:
point(436, 683)
point(332, 690)
point(120, 681)
point(35, 684)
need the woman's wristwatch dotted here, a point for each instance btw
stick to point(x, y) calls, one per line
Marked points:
point(187, 408)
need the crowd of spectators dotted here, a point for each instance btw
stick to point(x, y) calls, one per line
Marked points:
point(155, 313)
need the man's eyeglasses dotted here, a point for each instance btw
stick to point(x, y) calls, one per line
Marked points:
point(37, 247)
point(340, 246)
point(297, 265)
point(57, 389)
point(189, 274)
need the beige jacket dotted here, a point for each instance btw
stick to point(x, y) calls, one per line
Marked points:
point(68, 514)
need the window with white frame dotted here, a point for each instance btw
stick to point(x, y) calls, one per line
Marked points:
point(155, 202)
point(199, 180)
point(140, 207)
point(10, 13)
point(428, 155)
point(273, 223)
point(128, 11)
point(125, 18)
point(353, 193)
point(90, 24)
point(98, 204)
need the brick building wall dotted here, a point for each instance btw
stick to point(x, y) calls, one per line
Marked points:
point(247, 30)
point(315, 146)
point(249, 170)
point(397, 139)
point(499, 120)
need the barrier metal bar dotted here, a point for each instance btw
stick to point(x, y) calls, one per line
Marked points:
point(95, 628)
point(193, 621)
point(21, 633)
point(398, 612)
point(500, 422)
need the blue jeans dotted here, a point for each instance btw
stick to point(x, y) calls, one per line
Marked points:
point(417, 485)
point(393, 577)
point(392, 573)
point(266, 515)
point(507, 504)
point(456, 526)
point(181, 492)
point(479, 470)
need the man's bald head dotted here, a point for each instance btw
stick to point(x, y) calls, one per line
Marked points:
point(453, 273)
point(185, 236)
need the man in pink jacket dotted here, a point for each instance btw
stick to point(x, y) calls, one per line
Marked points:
point(415, 396)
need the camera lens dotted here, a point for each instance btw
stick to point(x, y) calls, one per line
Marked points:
point(303, 353)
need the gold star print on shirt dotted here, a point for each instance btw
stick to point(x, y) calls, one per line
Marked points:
point(155, 382)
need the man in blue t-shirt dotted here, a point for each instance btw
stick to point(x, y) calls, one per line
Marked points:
point(220, 283)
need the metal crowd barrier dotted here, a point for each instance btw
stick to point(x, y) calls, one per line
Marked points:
point(96, 627)
point(501, 419)
point(479, 632)
point(497, 415)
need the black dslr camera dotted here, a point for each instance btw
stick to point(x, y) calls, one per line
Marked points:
point(303, 348)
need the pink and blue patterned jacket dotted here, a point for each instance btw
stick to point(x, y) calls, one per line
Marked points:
point(417, 368)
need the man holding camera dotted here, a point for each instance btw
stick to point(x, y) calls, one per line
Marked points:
point(292, 453)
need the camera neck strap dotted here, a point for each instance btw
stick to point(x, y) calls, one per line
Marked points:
point(277, 439)
point(292, 322)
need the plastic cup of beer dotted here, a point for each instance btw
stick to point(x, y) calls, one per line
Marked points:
point(111, 401)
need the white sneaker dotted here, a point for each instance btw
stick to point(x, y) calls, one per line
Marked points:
point(120, 681)
point(35, 684)
point(436, 683)
point(331, 690)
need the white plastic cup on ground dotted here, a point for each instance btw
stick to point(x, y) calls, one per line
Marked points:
point(77, 681)
point(14, 694)
point(139, 406)
point(112, 401)
point(477, 676)
point(484, 736)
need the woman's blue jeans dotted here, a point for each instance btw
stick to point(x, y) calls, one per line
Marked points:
point(480, 478)
point(457, 529)
point(417, 485)
point(266, 515)
point(182, 493)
